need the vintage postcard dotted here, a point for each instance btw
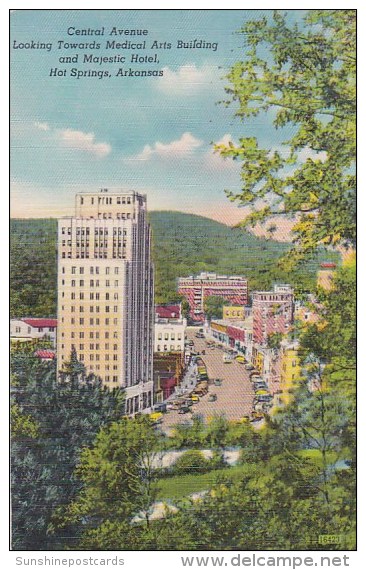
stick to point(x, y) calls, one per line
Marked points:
point(183, 244)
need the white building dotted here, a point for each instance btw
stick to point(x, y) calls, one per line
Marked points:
point(32, 329)
point(105, 292)
point(169, 335)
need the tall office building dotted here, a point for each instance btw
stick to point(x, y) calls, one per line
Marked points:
point(105, 292)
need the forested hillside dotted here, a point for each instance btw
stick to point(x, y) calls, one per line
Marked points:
point(183, 244)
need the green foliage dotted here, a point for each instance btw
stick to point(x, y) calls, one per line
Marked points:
point(213, 306)
point(33, 268)
point(305, 76)
point(333, 339)
point(22, 426)
point(54, 421)
point(117, 477)
point(274, 340)
point(183, 244)
point(191, 462)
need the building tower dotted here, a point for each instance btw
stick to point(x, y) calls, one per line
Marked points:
point(273, 312)
point(105, 292)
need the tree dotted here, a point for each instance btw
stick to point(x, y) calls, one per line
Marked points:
point(117, 476)
point(213, 306)
point(304, 75)
point(191, 462)
point(61, 418)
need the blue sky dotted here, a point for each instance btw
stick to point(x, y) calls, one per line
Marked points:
point(152, 134)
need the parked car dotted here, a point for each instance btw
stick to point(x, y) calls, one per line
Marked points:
point(227, 359)
point(260, 386)
point(184, 410)
point(263, 398)
point(217, 381)
point(240, 359)
point(156, 417)
point(254, 377)
point(249, 367)
point(212, 398)
point(159, 407)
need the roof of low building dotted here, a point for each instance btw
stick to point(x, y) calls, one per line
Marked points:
point(167, 311)
point(43, 353)
point(40, 322)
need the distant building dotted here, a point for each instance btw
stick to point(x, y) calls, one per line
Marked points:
point(273, 312)
point(27, 329)
point(234, 312)
point(234, 334)
point(169, 335)
point(168, 372)
point(105, 292)
point(44, 354)
point(290, 371)
point(168, 312)
point(197, 289)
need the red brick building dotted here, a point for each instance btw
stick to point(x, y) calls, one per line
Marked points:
point(197, 289)
point(273, 312)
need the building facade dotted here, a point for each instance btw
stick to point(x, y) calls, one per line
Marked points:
point(197, 289)
point(273, 312)
point(105, 292)
point(33, 329)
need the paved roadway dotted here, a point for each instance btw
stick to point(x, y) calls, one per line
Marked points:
point(234, 396)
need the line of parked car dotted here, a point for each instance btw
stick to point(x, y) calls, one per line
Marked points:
point(262, 401)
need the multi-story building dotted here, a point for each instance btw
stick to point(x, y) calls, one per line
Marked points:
point(290, 370)
point(169, 335)
point(197, 289)
point(105, 292)
point(235, 312)
point(273, 312)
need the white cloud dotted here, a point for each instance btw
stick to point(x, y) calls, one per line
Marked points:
point(302, 155)
point(184, 146)
point(187, 78)
point(214, 161)
point(78, 140)
point(42, 126)
point(308, 152)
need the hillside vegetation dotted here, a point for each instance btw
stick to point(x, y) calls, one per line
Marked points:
point(183, 244)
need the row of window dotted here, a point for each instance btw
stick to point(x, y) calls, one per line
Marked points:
point(172, 336)
point(97, 255)
point(108, 200)
point(92, 321)
point(96, 346)
point(165, 348)
point(107, 309)
point(92, 283)
point(93, 334)
point(108, 296)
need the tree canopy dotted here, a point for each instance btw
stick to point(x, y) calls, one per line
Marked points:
point(304, 75)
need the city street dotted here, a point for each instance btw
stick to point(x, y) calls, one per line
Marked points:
point(234, 396)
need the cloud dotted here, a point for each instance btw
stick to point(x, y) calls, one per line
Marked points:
point(78, 140)
point(302, 155)
point(308, 152)
point(214, 161)
point(188, 78)
point(182, 147)
point(42, 126)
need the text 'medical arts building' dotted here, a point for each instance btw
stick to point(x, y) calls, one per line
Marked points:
point(105, 292)
point(197, 289)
